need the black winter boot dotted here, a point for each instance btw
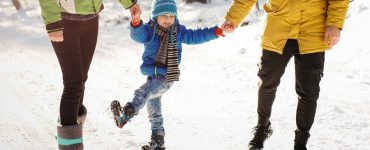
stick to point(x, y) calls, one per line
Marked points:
point(156, 143)
point(261, 133)
point(300, 141)
point(122, 114)
point(82, 114)
point(70, 137)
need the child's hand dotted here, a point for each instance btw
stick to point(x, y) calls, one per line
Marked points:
point(135, 21)
point(228, 27)
point(219, 32)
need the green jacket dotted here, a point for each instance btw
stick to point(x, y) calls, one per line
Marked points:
point(51, 9)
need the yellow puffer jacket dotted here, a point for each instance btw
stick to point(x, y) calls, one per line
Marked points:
point(304, 20)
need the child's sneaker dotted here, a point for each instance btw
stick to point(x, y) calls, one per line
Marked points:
point(122, 114)
point(156, 143)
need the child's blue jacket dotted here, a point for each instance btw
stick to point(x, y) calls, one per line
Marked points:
point(144, 34)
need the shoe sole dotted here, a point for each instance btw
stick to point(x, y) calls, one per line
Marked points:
point(116, 110)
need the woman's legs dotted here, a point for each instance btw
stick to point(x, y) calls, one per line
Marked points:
point(74, 56)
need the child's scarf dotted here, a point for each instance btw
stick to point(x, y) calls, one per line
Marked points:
point(167, 55)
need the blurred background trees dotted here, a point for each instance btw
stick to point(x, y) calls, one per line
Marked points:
point(17, 4)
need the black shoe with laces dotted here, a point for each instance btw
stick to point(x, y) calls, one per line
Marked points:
point(156, 143)
point(261, 133)
point(122, 115)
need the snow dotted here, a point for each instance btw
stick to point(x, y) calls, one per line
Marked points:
point(212, 107)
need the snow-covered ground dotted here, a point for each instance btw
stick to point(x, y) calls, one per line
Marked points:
point(212, 107)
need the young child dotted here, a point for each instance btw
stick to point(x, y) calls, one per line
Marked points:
point(162, 37)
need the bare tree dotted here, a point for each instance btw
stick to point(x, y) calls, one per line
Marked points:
point(191, 1)
point(17, 4)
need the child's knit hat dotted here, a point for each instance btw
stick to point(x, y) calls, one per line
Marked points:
point(160, 7)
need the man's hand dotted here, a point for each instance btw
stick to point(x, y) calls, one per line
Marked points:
point(56, 36)
point(135, 11)
point(332, 36)
point(228, 27)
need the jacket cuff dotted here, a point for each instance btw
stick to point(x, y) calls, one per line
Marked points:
point(219, 32)
point(338, 25)
point(133, 3)
point(55, 26)
point(136, 24)
point(235, 22)
point(101, 7)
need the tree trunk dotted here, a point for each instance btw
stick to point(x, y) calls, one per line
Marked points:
point(16, 4)
point(191, 1)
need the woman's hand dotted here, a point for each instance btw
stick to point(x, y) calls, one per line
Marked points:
point(135, 11)
point(56, 36)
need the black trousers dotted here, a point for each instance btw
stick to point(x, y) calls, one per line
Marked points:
point(308, 72)
point(74, 55)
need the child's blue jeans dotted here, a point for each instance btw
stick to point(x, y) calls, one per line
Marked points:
point(151, 92)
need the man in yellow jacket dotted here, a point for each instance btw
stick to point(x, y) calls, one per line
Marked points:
point(304, 29)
